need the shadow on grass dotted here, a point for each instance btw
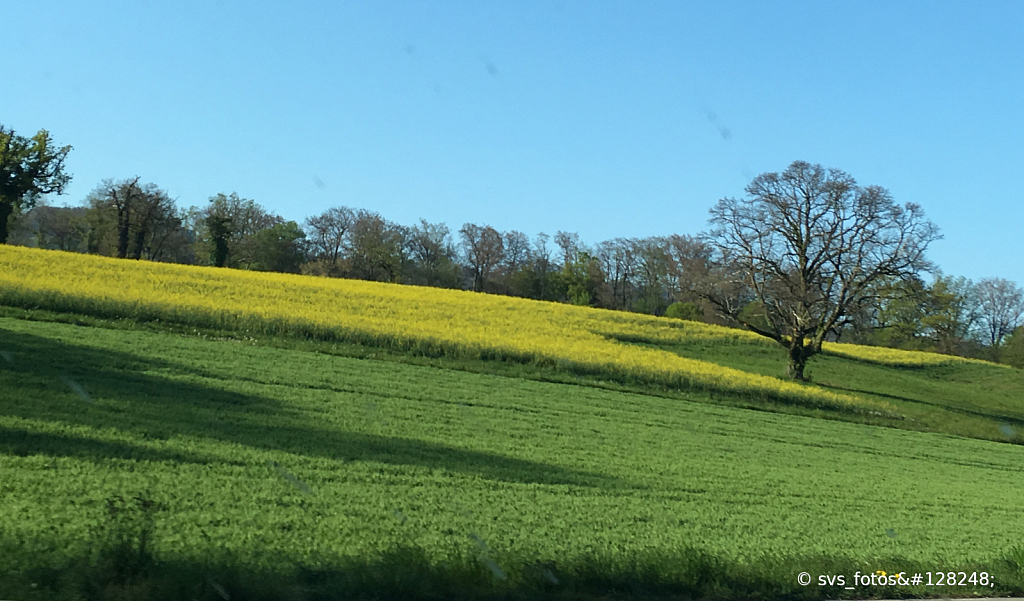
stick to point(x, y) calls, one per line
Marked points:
point(997, 417)
point(19, 442)
point(121, 391)
point(120, 568)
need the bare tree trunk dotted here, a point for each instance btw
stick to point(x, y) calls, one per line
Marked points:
point(798, 355)
point(797, 361)
point(122, 233)
point(140, 242)
point(6, 208)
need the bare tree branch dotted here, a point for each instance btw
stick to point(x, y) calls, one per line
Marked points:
point(810, 243)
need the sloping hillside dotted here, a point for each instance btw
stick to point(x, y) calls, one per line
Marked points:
point(158, 466)
point(905, 389)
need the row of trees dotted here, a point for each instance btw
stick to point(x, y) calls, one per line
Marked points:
point(807, 256)
point(132, 220)
point(129, 219)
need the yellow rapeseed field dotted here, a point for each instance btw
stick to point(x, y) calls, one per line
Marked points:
point(426, 320)
point(898, 358)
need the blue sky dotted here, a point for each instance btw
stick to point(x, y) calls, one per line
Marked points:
point(605, 118)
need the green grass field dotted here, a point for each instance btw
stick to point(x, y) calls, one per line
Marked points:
point(972, 399)
point(260, 472)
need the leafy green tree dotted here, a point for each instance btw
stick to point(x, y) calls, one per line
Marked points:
point(219, 229)
point(62, 228)
point(29, 168)
point(581, 278)
point(951, 314)
point(111, 208)
point(243, 218)
point(1013, 349)
point(279, 248)
point(754, 313)
point(54, 228)
point(896, 313)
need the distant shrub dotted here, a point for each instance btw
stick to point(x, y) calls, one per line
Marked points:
point(687, 311)
point(1013, 349)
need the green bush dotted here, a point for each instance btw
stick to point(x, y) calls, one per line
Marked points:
point(688, 311)
point(1013, 349)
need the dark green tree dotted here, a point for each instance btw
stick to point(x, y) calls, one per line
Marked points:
point(581, 278)
point(951, 314)
point(1013, 349)
point(895, 314)
point(279, 248)
point(245, 218)
point(55, 228)
point(219, 227)
point(29, 168)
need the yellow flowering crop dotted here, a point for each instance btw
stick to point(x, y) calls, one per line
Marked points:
point(896, 357)
point(410, 318)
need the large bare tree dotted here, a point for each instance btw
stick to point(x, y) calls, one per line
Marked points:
point(133, 220)
point(517, 252)
point(328, 233)
point(569, 245)
point(484, 249)
point(809, 243)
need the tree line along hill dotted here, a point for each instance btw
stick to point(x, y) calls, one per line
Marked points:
point(654, 275)
point(808, 256)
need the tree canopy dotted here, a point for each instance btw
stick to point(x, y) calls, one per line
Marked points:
point(29, 168)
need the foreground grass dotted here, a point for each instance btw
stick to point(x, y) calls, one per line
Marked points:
point(122, 571)
point(275, 474)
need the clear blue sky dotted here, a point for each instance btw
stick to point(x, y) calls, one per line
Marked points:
point(606, 118)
